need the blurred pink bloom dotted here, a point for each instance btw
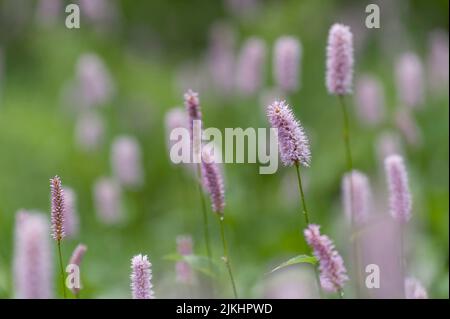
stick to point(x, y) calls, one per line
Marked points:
point(290, 283)
point(141, 275)
point(242, 8)
point(388, 143)
point(108, 200)
point(356, 196)
point(48, 12)
point(333, 273)
point(58, 209)
point(414, 289)
point(408, 127)
point(126, 161)
point(175, 118)
point(221, 57)
point(409, 77)
point(339, 60)
point(250, 66)
point(89, 131)
point(292, 140)
point(71, 221)
point(75, 259)
point(184, 271)
point(399, 194)
point(102, 13)
point(33, 272)
point(95, 84)
point(438, 60)
point(286, 63)
point(369, 99)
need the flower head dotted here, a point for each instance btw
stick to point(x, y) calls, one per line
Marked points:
point(108, 200)
point(32, 264)
point(356, 196)
point(71, 223)
point(414, 289)
point(75, 259)
point(126, 161)
point(213, 182)
point(339, 60)
point(184, 271)
point(58, 208)
point(409, 78)
point(369, 96)
point(141, 275)
point(250, 66)
point(399, 195)
point(287, 54)
point(292, 141)
point(333, 273)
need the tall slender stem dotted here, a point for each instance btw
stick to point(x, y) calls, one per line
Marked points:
point(302, 195)
point(226, 257)
point(346, 133)
point(61, 268)
point(341, 293)
point(205, 217)
point(402, 259)
point(305, 214)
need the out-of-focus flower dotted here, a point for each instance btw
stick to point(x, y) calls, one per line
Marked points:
point(290, 283)
point(409, 77)
point(414, 289)
point(250, 66)
point(286, 63)
point(71, 221)
point(75, 259)
point(108, 200)
point(356, 196)
point(369, 98)
point(399, 194)
point(184, 271)
point(58, 209)
point(388, 143)
point(408, 127)
point(213, 182)
point(126, 161)
point(339, 60)
point(438, 59)
point(32, 263)
point(89, 131)
point(48, 11)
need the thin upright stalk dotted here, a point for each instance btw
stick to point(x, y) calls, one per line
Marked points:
point(226, 257)
point(61, 268)
point(349, 159)
point(402, 259)
point(205, 217)
point(302, 195)
point(341, 293)
point(305, 214)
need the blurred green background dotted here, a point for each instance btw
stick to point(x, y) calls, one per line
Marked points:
point(144, 49)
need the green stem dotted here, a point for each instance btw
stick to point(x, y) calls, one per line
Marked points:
point(226, 257)
point(341, 294)
point(402, 259)
point(305, 214)
point(302, 195)
point(62, 268)
point(346, 133)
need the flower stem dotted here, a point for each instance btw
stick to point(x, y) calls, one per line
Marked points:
point(346, 132)
point(302, 195)
point(305, 213)
point(341, 293)
point(62, 268)
point(402, 259)
point(226, 257)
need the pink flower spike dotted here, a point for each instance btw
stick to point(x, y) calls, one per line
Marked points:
point(414, 289)
point(339, 60)
point(213, 183)
point(333, 273)
point(58, 209)
point(184, 271)
point(409, 76)
point(356, 196)
point(399, 194)
point(75, 259)
point(141, 275)
point(71, 222)
point(250, 66)
point(286, 63)
point(292, 141)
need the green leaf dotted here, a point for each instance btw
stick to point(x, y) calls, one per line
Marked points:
point(300, 259)
point(199, 263)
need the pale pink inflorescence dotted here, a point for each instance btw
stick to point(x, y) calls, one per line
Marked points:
point(339, 60)
point(409, 77)
point(89, 131)
point(108, 200)
point(175, 118)
point(414, 289)
point(399, 195)
point(57, 208)
point(48, 12)
point(438, 60)
point(126, 161)
point(388, 143)
point(292, 141)
point(184, 271)
point(213, 182)
point(141, 275)
point(407, 125)
point(71, 220)
point(356, 196)
point(94, 81)
point(250, 66)
point(221, 57)
point(75, 259)
point(369, 98)
point(333, 273)
point(286, 63)
point(32, 265)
